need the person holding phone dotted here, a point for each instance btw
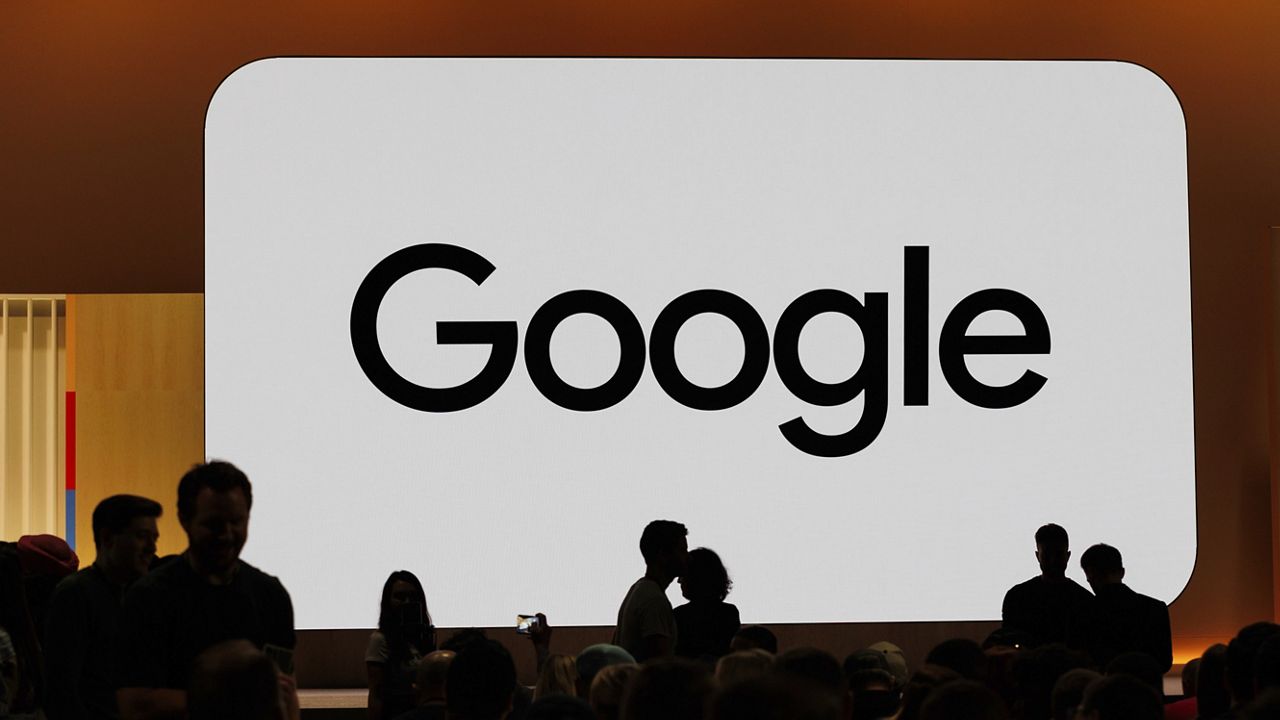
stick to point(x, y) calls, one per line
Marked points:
point(404, 636)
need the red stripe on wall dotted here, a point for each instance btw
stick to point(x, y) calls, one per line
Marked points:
point(71, 441)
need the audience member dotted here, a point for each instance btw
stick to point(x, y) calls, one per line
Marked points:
point(897, 661)
point(775, 696)
point(1213, 695)
point(742, 665)
point(1123, 619)
point(1186, 708)
point(754, 637)
point(820, 668)
point(1050, 607)
point(923, 682)
point(595, 658)
point(429, 687)
point(234, 679)
point(1036, 672)
point(44, 561)
point(1241, 652)
point(177, 611)
point(1120, 697)
point(873, 694)
point(668, 689)
point(1266, 664)
point(481, 682)
point(1139, 666)
point(1266, 706)
point(82, 634)
point(559, 676)
point(403, 637)
point(963, 700)
point(962, 655)
point(1069, 690)
point(21, 664)
point(560, 707)
point(607, 689)
point(646, 623)
point(706, 624)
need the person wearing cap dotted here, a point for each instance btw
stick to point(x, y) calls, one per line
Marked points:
point(207, 596)
point(1050, 607)
point(83, 627)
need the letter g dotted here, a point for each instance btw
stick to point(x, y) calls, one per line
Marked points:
point(501, 336)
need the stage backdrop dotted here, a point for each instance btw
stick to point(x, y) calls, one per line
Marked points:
point(863, 326)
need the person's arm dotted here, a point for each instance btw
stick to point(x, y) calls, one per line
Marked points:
point(151, 703)
point(540, 636)
point(65, 638)
point(377, 680)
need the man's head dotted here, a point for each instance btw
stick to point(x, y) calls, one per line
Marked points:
point(665, 547)
point(1052, 550)
point(674, 689)
point(481, 682)
point(1102, 566)
point(1120, 697)
point(214, 499)
point(234, 680)
point(1241, 653)
point(433, 672)
point(125, 534)
point(754, 637)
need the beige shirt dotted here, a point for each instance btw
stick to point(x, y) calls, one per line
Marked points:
point(645, 612)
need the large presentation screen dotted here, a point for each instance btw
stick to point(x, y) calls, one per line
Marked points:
point(862, 326)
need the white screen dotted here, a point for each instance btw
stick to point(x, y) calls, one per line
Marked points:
point(647, 179)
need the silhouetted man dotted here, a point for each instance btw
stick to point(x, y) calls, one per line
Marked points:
point(205, 597)
point(82, 631)
point(646, 623)
point(1051, 607)
point(234, 679)
point(1124, 621)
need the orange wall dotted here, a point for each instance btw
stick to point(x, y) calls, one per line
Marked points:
point(103, 108)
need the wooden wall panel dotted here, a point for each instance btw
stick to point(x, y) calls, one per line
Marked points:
point(139, 403)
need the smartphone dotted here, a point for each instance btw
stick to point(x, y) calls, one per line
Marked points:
point(525, 623)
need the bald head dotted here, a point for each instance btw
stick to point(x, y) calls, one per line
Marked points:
point(429, 683)
point(234, 679)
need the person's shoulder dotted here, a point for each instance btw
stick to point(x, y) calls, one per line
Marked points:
point(1024, 587)
point(260, 578)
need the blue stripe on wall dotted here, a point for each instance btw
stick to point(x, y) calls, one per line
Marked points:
point(71, 518)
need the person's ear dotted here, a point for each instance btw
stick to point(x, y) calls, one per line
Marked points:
point(1068, 556)
point(1121, 574)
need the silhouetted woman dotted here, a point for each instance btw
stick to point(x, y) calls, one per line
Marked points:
point(705, 624)
point(403, 637)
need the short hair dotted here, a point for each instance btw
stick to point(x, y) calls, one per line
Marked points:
point(658, 536)
point(1266, 664)
point(234, 679)
point(113, 515)
point(923, 683)
point(760, 637)
point(1069, 690)
point(775, 696)
point(963, 700)
point(1240, 655)
point(962, 655)
point(464, 638)
point(1101, 558)
point(217, 475)
point(742, 665)
point(1052, 534)
point(1212, 696)
point(706, 578)
point(1139, 666)
point(481, 681)
point(816, 665)
point(675, 689)
point(595, 658)
point(1122, 697)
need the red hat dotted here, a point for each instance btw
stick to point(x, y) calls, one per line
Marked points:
point(46, 555)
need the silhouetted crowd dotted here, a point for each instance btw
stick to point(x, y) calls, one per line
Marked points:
point(206, 635)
